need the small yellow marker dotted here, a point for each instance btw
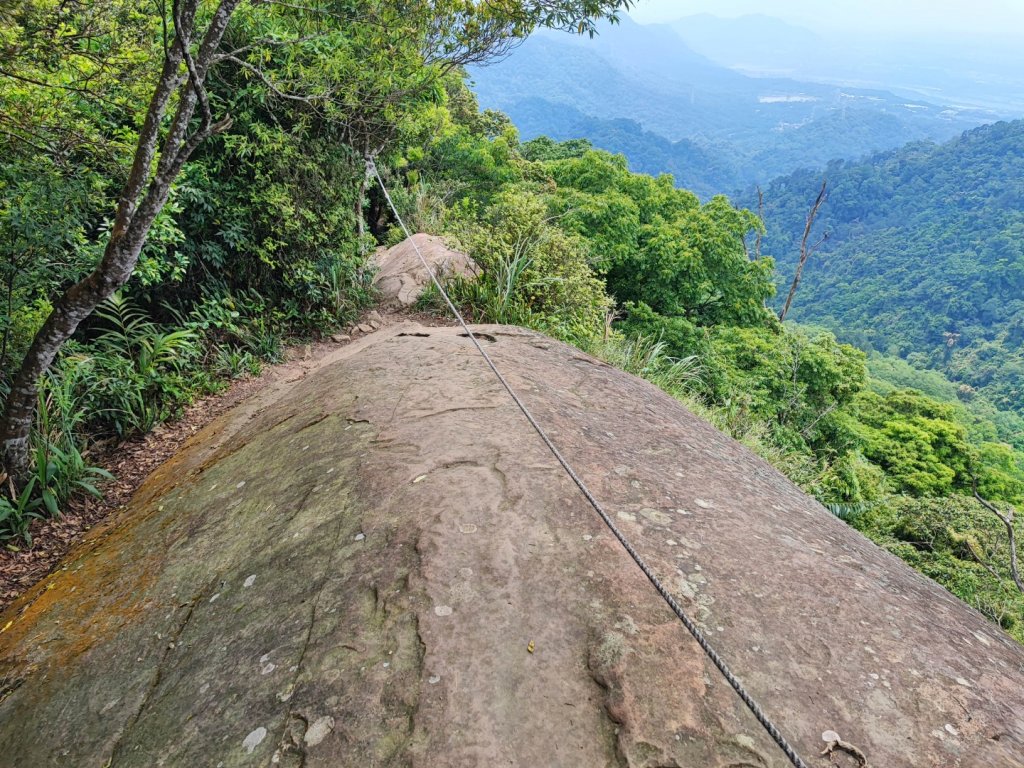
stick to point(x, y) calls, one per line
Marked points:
point(530, 648)
point(8, 626)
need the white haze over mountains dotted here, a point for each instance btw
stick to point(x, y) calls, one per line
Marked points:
point(985, 20)
point(965, 52)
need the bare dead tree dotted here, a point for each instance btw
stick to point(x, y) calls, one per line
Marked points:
point(806, 250)
point(758, 231)
point(759, 236)
point(1007, 519)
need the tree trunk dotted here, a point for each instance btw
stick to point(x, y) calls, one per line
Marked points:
point(131, 223)
point(1011, 536)
point(805, 250)
point(360, 219)
point(72, 308)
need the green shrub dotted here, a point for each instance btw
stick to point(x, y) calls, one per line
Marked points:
point(956, 542)
point(916, 440)
point(136, 379)
point(18, 511)
point(60, 467)
point(533, 273)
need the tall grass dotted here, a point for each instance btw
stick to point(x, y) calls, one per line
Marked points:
point(497, 297)
point(60, 465)
point(648, 358)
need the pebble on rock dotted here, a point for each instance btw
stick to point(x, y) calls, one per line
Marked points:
point(254, 739)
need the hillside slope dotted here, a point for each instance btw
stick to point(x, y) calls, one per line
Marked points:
point(760, 127)
point(693, 165)
point(925, 257)
point(380, 564)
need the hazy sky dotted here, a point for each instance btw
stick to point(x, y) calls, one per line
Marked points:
point(996, 19)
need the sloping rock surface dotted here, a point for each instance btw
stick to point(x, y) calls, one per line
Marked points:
point(401, 277)
point(353, 570)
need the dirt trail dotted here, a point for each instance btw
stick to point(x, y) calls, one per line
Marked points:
point(379, 564)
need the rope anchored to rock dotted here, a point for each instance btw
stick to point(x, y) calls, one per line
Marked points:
point(689, 623)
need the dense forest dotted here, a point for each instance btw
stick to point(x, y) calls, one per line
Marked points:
point(266, 231)
point(924, 259)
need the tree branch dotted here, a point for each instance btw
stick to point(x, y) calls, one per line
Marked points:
point(1007, 520)
point(268, 82)
point(805, 251)
point(58, 86)
point(146, 147)
point(227, 55)
point(981, 561)
point(760, 216)
point(184, 42)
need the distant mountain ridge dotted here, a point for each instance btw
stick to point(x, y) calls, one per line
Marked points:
point(989, 77)
point(751, 43)
point(694, 166)
point(648, 75)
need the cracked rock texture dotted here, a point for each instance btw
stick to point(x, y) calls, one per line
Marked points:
point(401, 278)
point(353, 570)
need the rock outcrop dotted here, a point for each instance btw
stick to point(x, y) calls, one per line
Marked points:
point(401, 277)
point(381, 565)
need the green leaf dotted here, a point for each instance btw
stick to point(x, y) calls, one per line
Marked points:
point(51, 502)
point(89, 488)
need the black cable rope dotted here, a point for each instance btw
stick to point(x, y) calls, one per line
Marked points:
point(690, 625)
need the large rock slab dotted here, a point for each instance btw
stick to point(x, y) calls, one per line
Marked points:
point(401, 277)
point(353, 569)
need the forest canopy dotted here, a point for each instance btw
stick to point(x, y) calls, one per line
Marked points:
point(925, 256)
point(86, 83)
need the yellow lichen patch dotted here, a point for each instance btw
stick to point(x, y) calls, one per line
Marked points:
point(91, 598)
